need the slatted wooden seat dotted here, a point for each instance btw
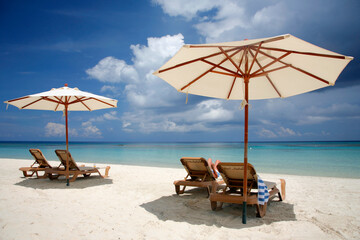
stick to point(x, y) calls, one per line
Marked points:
point(74, 169)
point(199, 174)
point(233, 175)
point(40, 165)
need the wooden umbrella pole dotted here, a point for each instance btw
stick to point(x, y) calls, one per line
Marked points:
point(246, 130)
point(67, 143)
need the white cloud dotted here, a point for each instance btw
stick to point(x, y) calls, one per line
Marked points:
point(106, 116)
point(54, 129)
point(277, 132)
point(108, 88)
point(232, 20)
point(90, 130)
point(284, 132)
point(58, 130)
point(142, 88)
point(186, 8)
point(265, 133)
point(111, 116)
point(196, 119)
point(113, 70)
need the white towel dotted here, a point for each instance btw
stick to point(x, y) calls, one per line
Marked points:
point(263, 193)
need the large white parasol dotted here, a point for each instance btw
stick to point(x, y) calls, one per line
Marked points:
point(275, 67)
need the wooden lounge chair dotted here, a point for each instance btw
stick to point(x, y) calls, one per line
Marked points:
point(233, 175)
point(74, 169)
point(40, 164)
point(199, 175)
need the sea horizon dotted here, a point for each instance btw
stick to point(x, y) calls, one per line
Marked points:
point(306, 158)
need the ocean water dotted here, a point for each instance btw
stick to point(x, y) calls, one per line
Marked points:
point(332, 159)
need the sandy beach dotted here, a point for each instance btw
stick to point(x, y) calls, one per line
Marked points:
point(140, 203)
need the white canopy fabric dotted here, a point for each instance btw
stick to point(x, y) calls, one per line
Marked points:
point(57, 98)
point(284, 66)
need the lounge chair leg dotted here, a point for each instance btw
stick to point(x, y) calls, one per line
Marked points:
point(213, 205)
point(208, 191)
point(283, 192)
point(28, 175)
point(261, 210)
point(73, 178)
point(107, 171)
point(177, 189)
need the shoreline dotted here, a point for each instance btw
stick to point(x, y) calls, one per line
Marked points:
point(178, 167)
point(138, 202)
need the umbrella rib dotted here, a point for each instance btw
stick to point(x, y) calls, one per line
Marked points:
point(77, 100)
point(305, 53)
point(210, 70)
point(269, 64)
point(96, 99)
point(298, 69)
point(233, 83)
point(60, 100)
point(267, 77)
point(269, 71)
point(198, 59)
point(227, 74)
point(223, 68)
point(231, 60)
point(16, 99)
point(42, 98)
point(232, 86)
point(32, 103)
point(80, 100)
point(257, 51)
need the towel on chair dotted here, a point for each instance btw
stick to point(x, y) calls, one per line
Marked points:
point(263, 193)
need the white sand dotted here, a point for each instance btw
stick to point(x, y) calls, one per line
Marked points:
point(140, 203)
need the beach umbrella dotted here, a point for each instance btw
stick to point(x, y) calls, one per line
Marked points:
point(64, 99)
point(275, 67)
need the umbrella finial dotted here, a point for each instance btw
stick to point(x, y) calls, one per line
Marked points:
point(66, 84)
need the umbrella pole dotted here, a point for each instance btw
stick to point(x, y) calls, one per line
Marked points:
point(67, 146)
point(246, 81)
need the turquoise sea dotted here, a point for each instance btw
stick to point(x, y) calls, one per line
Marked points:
point(333, 159)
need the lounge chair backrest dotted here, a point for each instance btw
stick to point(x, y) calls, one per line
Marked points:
point(233, 174)
point(39, 158)
point(62, 155)
point(197, 168)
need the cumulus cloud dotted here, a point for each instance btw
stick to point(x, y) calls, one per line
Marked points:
point(199, 118)
point(185, 8)
point(58, 130)
point(141, 87)
point(106, 116)
point(113, 70)
point(107, 88)
point(90, 130)
point(277, 133)
point(231, 20)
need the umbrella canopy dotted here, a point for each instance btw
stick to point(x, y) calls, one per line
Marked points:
point(281, 66)
point(64, 99)
point(57, 99)
point(275, 67)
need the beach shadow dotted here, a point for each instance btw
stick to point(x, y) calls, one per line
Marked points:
point(60, 183)
point(194, 207)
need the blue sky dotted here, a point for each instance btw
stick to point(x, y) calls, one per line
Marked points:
point(111, 48)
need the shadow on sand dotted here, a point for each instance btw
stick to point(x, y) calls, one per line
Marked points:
point(194, 207)
point(60, 183)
